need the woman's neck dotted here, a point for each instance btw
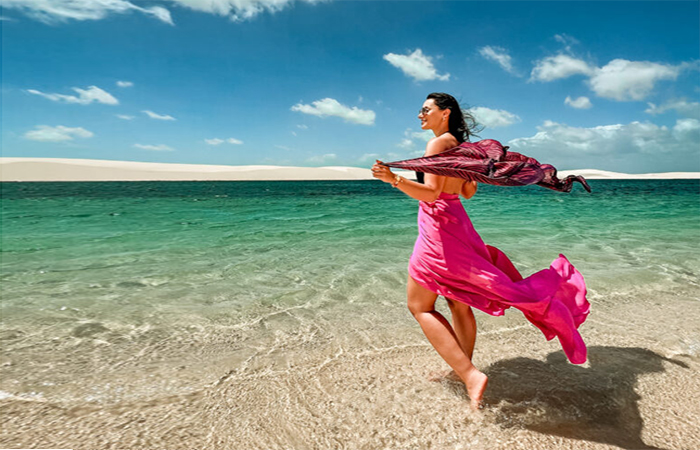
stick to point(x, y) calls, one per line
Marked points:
point(442, 129)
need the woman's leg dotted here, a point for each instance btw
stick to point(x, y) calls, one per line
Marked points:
point(421, 303)
point(464, 325)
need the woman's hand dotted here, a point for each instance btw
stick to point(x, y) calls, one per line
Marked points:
point(383, 173)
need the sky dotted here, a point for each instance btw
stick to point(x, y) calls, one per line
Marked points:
point(603, 85)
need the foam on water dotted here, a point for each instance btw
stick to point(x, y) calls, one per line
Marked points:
point(272, 315)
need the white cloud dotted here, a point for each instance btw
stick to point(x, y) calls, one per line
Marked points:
point(494, 118)
point(687, 129)
point(153, 115)
point(59, 133)
point(217, 141)
point(125, 117)
point(566, 40)
point(302, 127)
point(323, 159)
point(159, 13)
point(157, 148)
point(621, 79)
point(498, 55)
point(85, 96)
point(405, 143)
point(682, 106)
point(124, 83)
point(52, 11)
point(423, 135)
point(559, 66)
point(566, 141)
point(579, 103)
point(331, 107)
point(410, 136)
point(416, 65)
point(239, 10)
point(369, 158)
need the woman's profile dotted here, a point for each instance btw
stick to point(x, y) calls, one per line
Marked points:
point(450, 259)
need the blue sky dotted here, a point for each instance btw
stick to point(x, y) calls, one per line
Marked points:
point(606, 85)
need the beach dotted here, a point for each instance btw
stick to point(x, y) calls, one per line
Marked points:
point(272, 315)
point(195, 253)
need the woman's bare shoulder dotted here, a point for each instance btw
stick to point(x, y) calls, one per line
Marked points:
point(439, 144)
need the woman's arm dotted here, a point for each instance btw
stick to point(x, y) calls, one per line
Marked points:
point(427, 192)
point(469, 189)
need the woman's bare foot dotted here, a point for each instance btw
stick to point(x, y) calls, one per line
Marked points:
point(476, 382)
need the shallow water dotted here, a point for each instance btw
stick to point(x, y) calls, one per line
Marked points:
point(272, 315)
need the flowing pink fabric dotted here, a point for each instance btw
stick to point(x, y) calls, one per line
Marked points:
point(451, 259)
point(489, 162)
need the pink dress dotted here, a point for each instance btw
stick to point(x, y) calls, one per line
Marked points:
point(450, 259)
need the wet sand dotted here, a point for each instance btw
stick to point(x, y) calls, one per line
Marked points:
point(315, 384)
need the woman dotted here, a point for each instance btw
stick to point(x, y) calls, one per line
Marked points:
point(451, 260)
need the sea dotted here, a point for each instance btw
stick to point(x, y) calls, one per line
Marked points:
point(272, 315)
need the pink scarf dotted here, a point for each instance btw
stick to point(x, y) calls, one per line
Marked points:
point(490, 162)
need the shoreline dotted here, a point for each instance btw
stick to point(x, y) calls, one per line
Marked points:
point(16, 169)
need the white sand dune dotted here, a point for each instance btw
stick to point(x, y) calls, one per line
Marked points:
point(58, 169)
point(64, 169)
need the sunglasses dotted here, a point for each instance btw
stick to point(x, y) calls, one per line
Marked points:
point(425, 110)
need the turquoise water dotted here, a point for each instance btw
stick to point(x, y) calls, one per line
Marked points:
point(189, 285)
point(232, 244)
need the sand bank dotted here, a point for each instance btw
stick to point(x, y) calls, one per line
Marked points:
point(61, 169)
point(64, 169)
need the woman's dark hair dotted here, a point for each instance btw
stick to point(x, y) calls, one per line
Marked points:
point(462, 123)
